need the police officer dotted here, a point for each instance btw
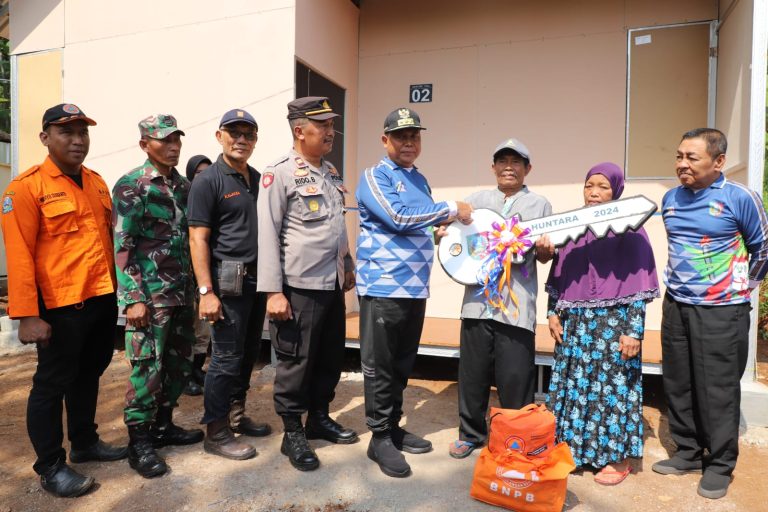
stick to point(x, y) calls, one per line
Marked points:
point(61, 284)
point(305, 268)
point(223, 227)
point(154, 286)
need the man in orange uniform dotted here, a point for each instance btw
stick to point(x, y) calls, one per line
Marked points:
point(56, 223)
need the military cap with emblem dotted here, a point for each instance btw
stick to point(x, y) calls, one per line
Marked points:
point(65, 113)
point(316, 108)
point(402, 118)
point(158, 126)
point(513, 145)
point(238, 115)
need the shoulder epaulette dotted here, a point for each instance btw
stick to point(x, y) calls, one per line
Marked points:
point(29, 172)
point(278, 161)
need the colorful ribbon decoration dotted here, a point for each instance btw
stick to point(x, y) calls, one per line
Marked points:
point(506, 240)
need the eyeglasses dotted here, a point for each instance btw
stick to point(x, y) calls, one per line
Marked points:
point(249, 136)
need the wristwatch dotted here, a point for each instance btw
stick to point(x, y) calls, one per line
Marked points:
point(203, 290)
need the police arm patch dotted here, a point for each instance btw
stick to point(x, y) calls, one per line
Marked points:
point(7, 204)
point(267, 179)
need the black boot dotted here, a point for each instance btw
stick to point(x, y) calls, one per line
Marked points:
point(221, 441)
point(321, 426)
point(165, 433)
point(296, 447)
point(192, 388)
point(196, 380)
point(141, 454)
point(98, 451)
point(387, 456)
point(64, 482)
point(242, 424)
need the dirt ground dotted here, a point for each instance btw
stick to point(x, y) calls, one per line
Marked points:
point(346, 480)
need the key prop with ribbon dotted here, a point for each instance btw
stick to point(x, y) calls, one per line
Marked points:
point(482, 253)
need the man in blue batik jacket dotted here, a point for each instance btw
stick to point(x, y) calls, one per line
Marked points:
point(394, 260)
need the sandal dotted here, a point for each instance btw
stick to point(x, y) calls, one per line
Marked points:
point(460, 449)
point(608, 476)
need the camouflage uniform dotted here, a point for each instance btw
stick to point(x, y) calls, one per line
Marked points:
point(153, 266)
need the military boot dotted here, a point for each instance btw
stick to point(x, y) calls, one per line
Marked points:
point(296, 447)
point(220, 440)
point(242, 424)
point(321, 426)
point(141, 454)
point(165, 433)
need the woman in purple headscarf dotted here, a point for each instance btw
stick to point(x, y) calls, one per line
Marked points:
point(598, 289)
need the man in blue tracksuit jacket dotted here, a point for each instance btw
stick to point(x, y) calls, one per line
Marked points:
point(394, 260)
point(718, 253)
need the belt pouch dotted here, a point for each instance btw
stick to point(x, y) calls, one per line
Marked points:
point(231, 278)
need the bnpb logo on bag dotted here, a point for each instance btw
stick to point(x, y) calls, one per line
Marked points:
point(512, 482)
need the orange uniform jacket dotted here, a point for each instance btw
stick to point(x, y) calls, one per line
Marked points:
point(58, 239)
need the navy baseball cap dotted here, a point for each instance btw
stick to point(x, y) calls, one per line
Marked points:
point(237, 115)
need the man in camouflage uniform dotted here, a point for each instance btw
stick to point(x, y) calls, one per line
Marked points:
point(155, 288)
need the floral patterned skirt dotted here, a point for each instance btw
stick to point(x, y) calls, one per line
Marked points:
point(596, 397)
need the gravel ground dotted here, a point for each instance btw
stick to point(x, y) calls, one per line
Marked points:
point(346, 480)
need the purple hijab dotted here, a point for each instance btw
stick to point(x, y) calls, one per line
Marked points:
point(601, 272)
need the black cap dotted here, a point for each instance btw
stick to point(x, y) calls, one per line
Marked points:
point(316, 108)
point(402, 118)
point(65, 113)
point(237, 115)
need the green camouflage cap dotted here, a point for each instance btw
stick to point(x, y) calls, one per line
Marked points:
point(158, 126)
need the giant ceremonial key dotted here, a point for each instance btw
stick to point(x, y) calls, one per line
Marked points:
point(469, 253)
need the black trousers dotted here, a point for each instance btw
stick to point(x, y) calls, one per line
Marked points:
point(490, 348)
point(704, 351)
point(310, 351)
point(68, 370)
point(235, 342)
point(390, 330)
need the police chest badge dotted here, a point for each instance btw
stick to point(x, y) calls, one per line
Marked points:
point(7, 205)
point(314, 205)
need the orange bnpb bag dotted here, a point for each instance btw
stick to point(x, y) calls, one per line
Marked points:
point(522, 468)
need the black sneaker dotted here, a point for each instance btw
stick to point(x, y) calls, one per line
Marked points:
point(408, 442)
point(388, 457)
point(713, 485)
point(677, 466)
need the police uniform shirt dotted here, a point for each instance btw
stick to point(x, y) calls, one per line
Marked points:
point(526, 205)
point(221, 199)
point(302, 235)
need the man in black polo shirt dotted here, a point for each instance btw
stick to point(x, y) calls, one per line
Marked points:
point(223, 242)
